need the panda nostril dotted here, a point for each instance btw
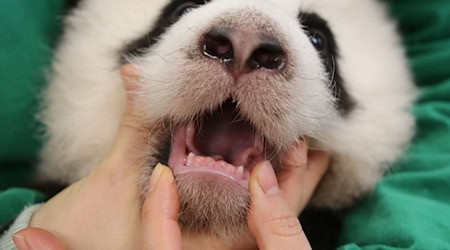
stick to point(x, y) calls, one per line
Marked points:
point(217, 45)
point(267, 56)
point(243, 51)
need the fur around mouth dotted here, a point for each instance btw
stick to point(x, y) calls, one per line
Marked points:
point(220, 143)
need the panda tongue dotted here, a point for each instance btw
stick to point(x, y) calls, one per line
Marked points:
point(223, 136)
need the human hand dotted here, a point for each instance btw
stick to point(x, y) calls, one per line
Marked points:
point(159, 228)
point(272, 220)
point(273, 216)
point(103, 210)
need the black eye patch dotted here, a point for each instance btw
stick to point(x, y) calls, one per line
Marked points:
point(319, 34)
point(169, 15)
point(322, 39)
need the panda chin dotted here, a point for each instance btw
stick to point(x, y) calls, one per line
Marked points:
point(211, 204)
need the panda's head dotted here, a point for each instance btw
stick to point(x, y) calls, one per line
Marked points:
point(238, 82)
point(225, 84)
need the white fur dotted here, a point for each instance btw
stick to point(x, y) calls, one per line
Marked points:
point(85, 100)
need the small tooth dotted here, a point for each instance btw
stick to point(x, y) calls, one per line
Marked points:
point(210, 162)
point(240, 170)
point(199, 160)
point(217, 157)
point(190, 159)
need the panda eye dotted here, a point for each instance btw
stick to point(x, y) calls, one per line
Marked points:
point(318, 40)
point(319, 33)
point(182, 10)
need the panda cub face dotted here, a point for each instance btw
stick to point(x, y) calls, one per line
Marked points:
point(225, 84)
point(236, 83)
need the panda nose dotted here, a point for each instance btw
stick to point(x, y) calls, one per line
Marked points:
point(243, 52)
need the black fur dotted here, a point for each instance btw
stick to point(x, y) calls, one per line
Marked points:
point(164, 21)
point(313, 24)
point(71, 4)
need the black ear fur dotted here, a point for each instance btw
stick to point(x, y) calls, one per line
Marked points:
point(70, 4)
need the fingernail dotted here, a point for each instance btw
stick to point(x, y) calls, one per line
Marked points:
point(167, 174)
point(156, 174)
point(20, 242)
point(267, 179)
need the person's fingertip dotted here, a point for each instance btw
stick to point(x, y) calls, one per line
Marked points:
point(266, 178)
point(162, 196)
point(20, 242)
point(166, 172)
point(132, 86)
point(130, 77)
point(319, 160)
point(36, 239)
point(160, 212)
point(296, 156)
point(167, 175)
point(156, 175)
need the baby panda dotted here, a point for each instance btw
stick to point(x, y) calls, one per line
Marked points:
point(226, 84)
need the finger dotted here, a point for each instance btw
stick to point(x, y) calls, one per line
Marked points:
point(130, 80)
point(271, 221)
point(130, 144)
point(302, 171)
point(160, 212)
point(36, 239)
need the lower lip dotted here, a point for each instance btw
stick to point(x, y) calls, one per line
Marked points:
point(208, 165)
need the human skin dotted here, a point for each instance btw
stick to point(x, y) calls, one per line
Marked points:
point(100, 211)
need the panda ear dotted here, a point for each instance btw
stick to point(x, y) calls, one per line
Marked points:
point(70, 5)
point(130, 77)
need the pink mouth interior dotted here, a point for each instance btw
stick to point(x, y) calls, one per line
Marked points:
point(222, 145)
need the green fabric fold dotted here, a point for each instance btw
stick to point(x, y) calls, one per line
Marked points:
point(14, 200)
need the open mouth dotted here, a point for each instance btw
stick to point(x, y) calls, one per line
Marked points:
point(220, 143)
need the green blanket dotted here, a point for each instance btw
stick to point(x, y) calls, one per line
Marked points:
point(410, 209)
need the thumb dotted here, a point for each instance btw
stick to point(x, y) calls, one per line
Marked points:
point(160, 212)
point(271, 221)
point(36, 239)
